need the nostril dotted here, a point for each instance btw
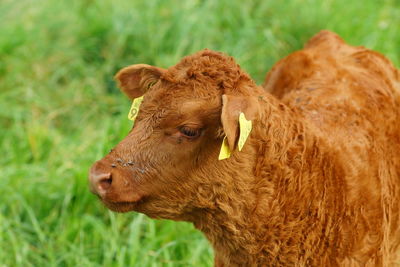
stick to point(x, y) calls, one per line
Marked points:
point(105, 182)
point(100, 183)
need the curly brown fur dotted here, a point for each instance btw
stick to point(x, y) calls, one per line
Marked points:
point(317, 182)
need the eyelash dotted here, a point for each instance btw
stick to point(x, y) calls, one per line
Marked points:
point(190, 132)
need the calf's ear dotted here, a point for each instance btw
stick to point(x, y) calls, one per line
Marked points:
point(135, 80)
point(232, 106)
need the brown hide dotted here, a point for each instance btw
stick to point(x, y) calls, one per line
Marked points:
point(317, 182)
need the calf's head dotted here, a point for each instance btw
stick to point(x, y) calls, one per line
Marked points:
point(167, 165)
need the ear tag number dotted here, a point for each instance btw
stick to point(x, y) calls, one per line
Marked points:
point(133, 112)
point(224, 153)
point(245, 129)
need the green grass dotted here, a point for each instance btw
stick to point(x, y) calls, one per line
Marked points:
point(60, 109)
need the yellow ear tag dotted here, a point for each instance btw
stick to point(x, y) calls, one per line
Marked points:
point(133, 112)
point(224, 153)
point(245, 129)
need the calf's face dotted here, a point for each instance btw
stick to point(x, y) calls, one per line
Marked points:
point(173, 147)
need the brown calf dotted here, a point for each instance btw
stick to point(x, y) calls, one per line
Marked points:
point(317, 182)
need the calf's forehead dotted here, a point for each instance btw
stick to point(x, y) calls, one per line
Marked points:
point(177, 106)
point(185, 96)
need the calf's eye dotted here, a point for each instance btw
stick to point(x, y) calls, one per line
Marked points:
point(190, 132)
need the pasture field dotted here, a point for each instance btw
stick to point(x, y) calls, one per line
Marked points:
point(60, 109)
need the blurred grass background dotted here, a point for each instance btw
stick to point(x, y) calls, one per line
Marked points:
point(60, 109)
